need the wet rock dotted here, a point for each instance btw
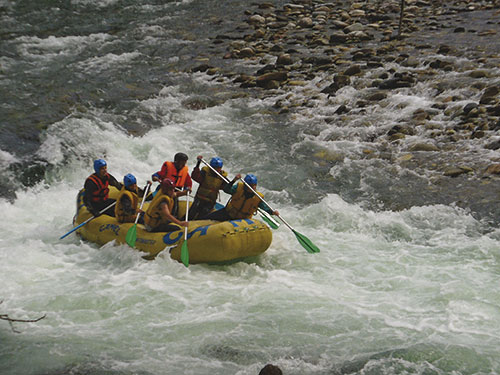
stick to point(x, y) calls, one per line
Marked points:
point(427, 147)
point(352, 70)
point(246, 52)
point(341, 109)
point(489, 95)
point(377, 96)
point(493, 169)
point(456, 171)
point(479, 74)
point(270, 369)
point(201, 68)
point(495, 145)
point(257, 19)
point(284, 59)
point(338, 38)
point(470, 107)
point(266, 69)
point(271, 80)
point(305, 22)
point(339, 81)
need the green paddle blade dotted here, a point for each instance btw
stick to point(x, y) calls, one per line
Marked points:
point(306, 243)
point(185, 253)
point(269, 221)
point(131, 235)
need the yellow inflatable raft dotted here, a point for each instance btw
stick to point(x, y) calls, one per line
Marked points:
point(208, 241)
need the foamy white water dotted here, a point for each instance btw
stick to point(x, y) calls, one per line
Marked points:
point(391, 292)
point(407, 292)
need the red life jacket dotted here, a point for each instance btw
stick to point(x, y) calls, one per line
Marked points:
point(101, 194)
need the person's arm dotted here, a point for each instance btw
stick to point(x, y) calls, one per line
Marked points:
point(114, 182)
point(198, 175)
point(170, 217)
point(195, 174)
point(269, 210)
point(230, 187)
point(160, 175)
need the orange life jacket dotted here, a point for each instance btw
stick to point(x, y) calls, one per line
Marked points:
point(241, 207)
point(179, 177)
point(101, 194)
point(210, 186)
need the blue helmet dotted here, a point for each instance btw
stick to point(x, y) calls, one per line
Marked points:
point(250, 179)
point(129, 180)
point(98, 164)
point(216, 162)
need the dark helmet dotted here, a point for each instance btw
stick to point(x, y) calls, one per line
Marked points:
point(216, 162)
point(250, 179)
point(167, 184)
point(129, 180)
point(180, 156)
point(98, 164)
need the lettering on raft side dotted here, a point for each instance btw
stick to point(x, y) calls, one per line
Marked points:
point(236, 223)
point(172, 237)
point(145, 241)
point(115, 228)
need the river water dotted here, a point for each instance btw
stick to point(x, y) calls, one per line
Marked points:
point(413, 291)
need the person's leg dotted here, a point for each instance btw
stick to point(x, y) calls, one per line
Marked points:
point(164, 227)
point(194, 210)
point(219, 215)
point(100, 206)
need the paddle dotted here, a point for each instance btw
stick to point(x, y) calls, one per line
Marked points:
point(131, 236)
point(303, 240)
point(184, 247)
point(265, 216)
point(86, 221)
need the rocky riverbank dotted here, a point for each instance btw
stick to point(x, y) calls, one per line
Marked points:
point(306, 54)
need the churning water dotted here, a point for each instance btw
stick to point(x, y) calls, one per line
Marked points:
point(407, 292)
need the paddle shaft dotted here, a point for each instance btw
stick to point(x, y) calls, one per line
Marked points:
point(187, 212)
point(142, 204)
point(86, 221)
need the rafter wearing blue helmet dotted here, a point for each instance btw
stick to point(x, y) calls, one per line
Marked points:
point(127, 203)
point(96, 189)
point(244, 202)
point(210, 185)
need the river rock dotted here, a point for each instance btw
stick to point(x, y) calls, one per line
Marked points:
point(456, 171)
point(257, 19)
point(352, 70)
point(493, 169)
point(489, 95)
point(427, 147)
point(270, 369)
point(284, 59)
point(339, 81)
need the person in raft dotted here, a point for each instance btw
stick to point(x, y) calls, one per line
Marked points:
point(208, 191)
point(243, 203)
point(127, 203)
point(176, 171)
point(158, 216)
point(96, 194)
